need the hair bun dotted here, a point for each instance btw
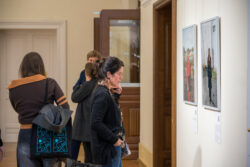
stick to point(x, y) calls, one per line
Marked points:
point(109, 64)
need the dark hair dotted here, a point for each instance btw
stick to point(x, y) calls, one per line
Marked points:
point(109, 64)
point(91, 70)
point(94, 53)
point(32, 64)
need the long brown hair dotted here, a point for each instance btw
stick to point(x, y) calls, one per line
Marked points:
point(32, 64)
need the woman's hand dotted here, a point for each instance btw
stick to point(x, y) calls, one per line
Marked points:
point(117, 90)
point(118, 142)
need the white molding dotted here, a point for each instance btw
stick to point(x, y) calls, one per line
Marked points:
point(12, 126)
point(59, 26)
point(130, 84)
point(145, 3)
point(11, 132)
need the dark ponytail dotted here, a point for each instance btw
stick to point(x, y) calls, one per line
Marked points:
point(91, 69)
point(109, 64)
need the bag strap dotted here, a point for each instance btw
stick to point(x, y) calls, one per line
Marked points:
point(45, 101)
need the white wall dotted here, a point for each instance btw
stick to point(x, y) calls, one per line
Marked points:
point(146, 116)
point(248, 85)
point(202, 150)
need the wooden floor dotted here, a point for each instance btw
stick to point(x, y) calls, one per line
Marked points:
point(10, 157)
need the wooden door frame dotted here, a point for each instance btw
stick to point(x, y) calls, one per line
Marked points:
point(97, 34)
point(105, 16)
point(156, 93)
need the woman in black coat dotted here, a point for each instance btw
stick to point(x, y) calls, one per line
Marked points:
point(106, 122)
point(81, 125)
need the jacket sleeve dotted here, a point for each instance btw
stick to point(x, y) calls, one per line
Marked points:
point(11, 100)
point(99, 109)
point(81, 79)
point(82, 91)
point(60, 98)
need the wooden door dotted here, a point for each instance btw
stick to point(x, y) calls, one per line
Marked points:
point(164, 140)
point(97, 34)
point(117, 33)
point(130, 105)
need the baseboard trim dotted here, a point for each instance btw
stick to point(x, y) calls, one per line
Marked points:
point(141, 164)
point(145, 156)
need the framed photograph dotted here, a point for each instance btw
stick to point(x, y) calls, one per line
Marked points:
point(189, 43)
point(210, 55)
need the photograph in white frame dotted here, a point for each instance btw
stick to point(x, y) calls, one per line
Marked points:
point(210, 57)
point(189, 43)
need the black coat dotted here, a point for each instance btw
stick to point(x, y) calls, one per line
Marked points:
point(81, 125)
point(105, 125)
point(1, 142)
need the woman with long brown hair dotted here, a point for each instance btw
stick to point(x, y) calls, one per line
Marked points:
point(27, 98)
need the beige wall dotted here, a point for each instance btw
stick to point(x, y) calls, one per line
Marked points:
point(146, 116)
point(130, 4)
point(202, 150)
point(79, 17)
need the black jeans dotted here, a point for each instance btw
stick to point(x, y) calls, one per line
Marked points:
point(75, 146)
point(23, 152)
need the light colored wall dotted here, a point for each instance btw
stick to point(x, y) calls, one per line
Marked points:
point(130, 4)
point(79, 17)
point(248, 85)
point(202, 150)
point(146, 116)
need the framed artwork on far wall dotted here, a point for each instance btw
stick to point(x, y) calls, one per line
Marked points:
point(189, 43)
point(210, 57)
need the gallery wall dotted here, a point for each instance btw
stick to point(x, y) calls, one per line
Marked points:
point(146, 116)
point(202, 149)
point(230, 147)
point(248, 87)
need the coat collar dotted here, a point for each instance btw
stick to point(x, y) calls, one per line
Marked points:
point(26, 80)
